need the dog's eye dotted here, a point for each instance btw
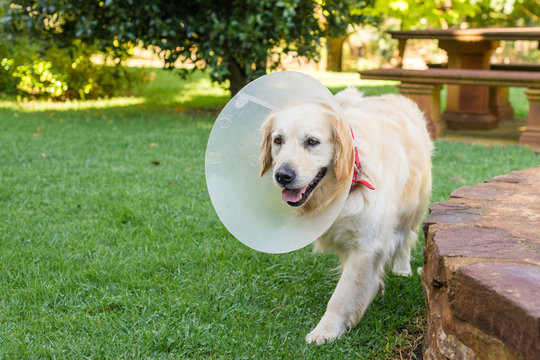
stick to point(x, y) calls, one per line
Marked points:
point(313, 142)
point(278, 140)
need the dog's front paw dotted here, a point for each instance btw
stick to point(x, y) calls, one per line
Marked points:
point(402, 273)
point(326, 331)
point(402, 269)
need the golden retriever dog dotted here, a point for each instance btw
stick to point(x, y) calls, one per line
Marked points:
point(310, 150)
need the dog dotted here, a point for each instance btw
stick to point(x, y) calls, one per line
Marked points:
point(311, 152)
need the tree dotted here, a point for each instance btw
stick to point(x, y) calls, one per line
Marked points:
point(238, 40)
point(334, 55)
point(414, 14)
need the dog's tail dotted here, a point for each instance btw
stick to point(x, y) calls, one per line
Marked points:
point(349, 96)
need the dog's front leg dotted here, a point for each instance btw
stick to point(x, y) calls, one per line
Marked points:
point(358, 285)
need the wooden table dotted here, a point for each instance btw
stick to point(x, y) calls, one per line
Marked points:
point(472, 107)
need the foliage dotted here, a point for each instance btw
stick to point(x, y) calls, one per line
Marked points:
point(236, 39)
point(45, 71)
point(42, 67)
point(11, 47)
point(86, 80)
point(38, 79)
point(518, 13)
point(415, 14)
point(7, 82)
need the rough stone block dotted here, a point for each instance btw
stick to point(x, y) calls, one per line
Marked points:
point(481, 271)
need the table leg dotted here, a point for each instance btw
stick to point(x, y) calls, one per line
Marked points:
point(467, 107)
point(428, 99)
point(401, 52)
point(531, 136)
point(499, 105)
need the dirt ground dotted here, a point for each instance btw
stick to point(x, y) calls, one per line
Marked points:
point(506, 133)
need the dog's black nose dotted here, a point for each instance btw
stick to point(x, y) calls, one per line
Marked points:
point(285, 175)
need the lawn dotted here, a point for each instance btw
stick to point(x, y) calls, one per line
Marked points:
point(110, 247)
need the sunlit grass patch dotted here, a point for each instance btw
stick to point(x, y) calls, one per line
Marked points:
point(72, 105)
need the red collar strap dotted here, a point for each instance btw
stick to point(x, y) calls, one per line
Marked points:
point(358, 169)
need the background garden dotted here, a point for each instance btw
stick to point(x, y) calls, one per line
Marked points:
point(109, 245)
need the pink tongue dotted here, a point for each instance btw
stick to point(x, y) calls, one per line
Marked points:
point(293, 195)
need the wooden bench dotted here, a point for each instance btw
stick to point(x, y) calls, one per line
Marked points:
point(423, 86)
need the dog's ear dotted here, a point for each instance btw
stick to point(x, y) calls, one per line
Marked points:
point(343, 150)
point(266, 145)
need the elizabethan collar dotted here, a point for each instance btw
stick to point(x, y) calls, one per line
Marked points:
point(249, 206)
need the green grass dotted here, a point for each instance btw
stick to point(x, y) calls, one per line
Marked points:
point(110, 247)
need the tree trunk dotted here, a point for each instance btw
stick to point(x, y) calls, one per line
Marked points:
point(237, 77)
point(334, 53)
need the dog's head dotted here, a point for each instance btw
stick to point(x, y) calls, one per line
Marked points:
point(310, 149)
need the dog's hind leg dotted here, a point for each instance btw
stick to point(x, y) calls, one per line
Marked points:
point(359, 283)
point(401, 264)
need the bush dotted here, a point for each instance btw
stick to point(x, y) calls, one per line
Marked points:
point(8, 84)
point(15, 51)
point(42, 71)
point(38, 79)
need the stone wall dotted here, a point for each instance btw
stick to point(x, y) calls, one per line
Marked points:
point(481, 274)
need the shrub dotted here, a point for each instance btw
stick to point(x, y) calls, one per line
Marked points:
point(38, 79)
point(44, 71)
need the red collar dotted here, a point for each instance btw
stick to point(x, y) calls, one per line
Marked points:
point(358, 169)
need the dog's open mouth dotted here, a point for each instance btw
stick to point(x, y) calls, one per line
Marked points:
point(296, 197)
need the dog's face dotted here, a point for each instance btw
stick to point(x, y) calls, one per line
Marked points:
point(310, 150)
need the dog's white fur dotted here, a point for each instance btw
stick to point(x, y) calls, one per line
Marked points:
point(376, 228)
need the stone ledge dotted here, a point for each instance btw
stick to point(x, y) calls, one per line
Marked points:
point(481, 273)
